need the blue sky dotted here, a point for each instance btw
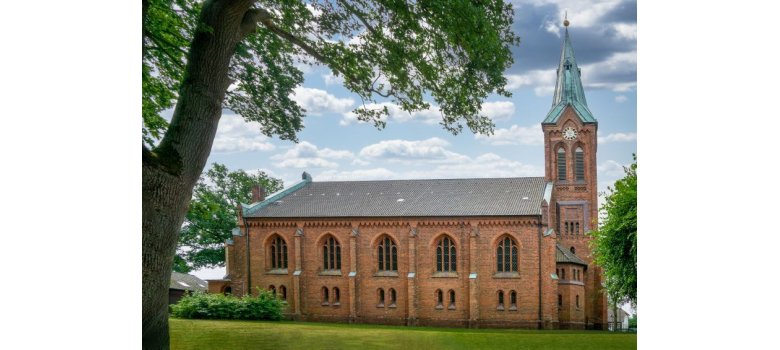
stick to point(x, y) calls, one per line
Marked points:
point(333, 146)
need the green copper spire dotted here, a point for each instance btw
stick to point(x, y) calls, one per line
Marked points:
point(568, 86)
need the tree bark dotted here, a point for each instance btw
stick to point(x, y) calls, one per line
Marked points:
point(170, 171)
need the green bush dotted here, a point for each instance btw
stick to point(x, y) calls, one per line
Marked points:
point(264, 306)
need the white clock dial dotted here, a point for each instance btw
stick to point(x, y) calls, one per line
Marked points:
point(569, 133)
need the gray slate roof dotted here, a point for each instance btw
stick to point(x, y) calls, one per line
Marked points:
point(562, 255)
point(442, 197)
point(183, 281)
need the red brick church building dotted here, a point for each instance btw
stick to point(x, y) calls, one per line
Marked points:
point(482, 252)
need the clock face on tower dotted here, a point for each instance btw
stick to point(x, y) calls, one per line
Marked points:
point(569, 133)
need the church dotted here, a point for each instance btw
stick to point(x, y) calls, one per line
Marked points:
point(479, 252)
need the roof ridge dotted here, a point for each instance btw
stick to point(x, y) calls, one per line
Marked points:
point(439, 179)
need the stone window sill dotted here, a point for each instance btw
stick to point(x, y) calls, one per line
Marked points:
point(381, 306)
point(451, 307)
point(513, 308)
point(330, 273)
point(448, 274)
point(325, 303)
point(386, 274)
point(500, 308)
point(439, 307)
point(336, 304)
point(277, 272)
point(506, 275)
point(393, 305)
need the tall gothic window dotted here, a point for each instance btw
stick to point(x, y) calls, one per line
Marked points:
point(387, 255)
point(561, 164)
point(278, 253)
point(579, 164)
point(331, 254)
point(445, 255)
point(506, 255)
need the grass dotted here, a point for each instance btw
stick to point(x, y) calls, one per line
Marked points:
point(210, 334)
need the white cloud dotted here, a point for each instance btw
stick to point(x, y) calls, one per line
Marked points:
point(331, 79)
point(625, 30)
point(610, 168)
point(621, 98)
point(618, 137)
point(542, 80)
point(430, 150)
point(308, 155)
point(498, 110)
point(483, 166)
point(580, 13)
point(317, 101)
point(236, 135)
point(515, 135)
point(596, 75)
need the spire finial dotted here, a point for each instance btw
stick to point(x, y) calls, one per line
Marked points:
point(566, 19)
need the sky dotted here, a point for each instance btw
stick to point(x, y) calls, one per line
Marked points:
point(333, 146)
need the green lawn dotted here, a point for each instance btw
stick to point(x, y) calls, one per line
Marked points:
point(206, 334)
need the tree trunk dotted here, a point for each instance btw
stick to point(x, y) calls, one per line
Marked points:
point(170, 171)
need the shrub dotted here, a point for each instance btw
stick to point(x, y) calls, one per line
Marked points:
point(200, 305)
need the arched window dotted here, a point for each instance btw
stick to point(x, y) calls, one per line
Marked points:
point(272, 289)
point(500, 301)
point(325, 296)
point(452, 300)
point(283, 292)
point(336, 296)
point(506, 255)
point(387, 255)
point(578, 301)
point(563, 274)
point(560, 300)
point(512, 300)
point(278, 253)
point(331, 254)
point(579, 164)
point(227, 291)
point(445, 255)
point(439, 299)
point(572, 250)
point(392, 297)
point(561, 164)
point(381, 298)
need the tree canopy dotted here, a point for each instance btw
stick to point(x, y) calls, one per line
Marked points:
point(212, 215)
point(453, 52)
point(614, 244)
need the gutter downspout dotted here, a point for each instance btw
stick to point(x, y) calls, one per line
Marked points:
point(248, 270)
point(539, 236)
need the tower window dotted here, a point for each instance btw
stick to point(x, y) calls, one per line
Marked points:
point(578, 301)
point(572, 250)
point(561, 159)
point(445, 255)
point(579, 164)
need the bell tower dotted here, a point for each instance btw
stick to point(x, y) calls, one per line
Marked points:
point(570, 145)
